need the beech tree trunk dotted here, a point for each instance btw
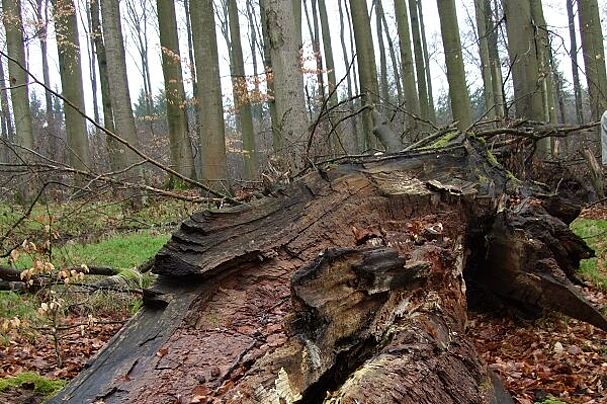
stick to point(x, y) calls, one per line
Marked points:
point(18, 84)
point(523, 58)
point(575, 68)
point(408, 67)
point(182, 158)
point(70, 68)
point(124, 122)
point(365, 54)
point(242, 102)
point(348, 286)
point(211, 130)
point(594, 57)
point(291, 122)
point(456, 74)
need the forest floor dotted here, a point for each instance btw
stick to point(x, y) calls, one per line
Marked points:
point(549, 361)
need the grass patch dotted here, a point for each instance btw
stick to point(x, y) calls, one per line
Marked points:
point(89, 221)
point(118, 251)
point(594, 232)
point(124, 251)
point(42, 385)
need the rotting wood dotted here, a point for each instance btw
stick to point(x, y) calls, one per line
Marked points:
point(349, 286)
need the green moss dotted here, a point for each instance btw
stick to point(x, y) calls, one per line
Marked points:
point(443, 141)
point(594, 232)
point(42, 385)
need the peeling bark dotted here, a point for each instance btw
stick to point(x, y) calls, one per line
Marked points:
point(349, 286)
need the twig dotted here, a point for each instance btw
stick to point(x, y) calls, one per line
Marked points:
point(120, 139)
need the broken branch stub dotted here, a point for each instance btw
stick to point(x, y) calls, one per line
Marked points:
point(350, 286)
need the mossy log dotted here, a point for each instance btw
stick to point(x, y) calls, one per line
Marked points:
point(348, 286)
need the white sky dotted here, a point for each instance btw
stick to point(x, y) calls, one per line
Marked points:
point(555, 13)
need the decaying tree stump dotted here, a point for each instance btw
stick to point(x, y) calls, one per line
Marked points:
point(349, 286)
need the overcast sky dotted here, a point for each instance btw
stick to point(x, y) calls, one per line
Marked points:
point(555, 12)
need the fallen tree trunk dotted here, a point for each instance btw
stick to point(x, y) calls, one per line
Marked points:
point(349, 286)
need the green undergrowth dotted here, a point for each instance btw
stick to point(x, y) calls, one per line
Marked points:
point(594, 232)
point(120, 251)
point(41, 385)
point(88, 222)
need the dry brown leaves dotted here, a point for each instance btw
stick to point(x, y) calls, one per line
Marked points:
point(37, 354)
point(553, 356)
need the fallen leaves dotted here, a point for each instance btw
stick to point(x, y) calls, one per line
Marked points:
point(27, 352)
point(554, 356)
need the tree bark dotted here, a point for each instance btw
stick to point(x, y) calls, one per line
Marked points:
point(456, 75)
point(18, 84)
point(291, 119)
point(431, 109)
point(104, 81)
point(480, 8)
point(242, 103)
point(523, 58)
point(420, 64)
point(494, 59)
point(384, 88)
point(408, 67)
point(70, 68)
point(575, 68)
point(349, 286)
point(365, 53)
point(182, 158)
point(124, 122)
point(594, 57)
point(546, 82)
point(211, 131)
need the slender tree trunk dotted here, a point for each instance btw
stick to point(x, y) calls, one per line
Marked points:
point(543, 51)
point(124, 122)
point(483, 42)
point(91, 62)
point(495, 62)
point(212, 128)
point(328, 48)
point(337, 142)
point(546, 83)
point(242, 103)
point(18, 80)
point(408, 67)
point(431, 110)
point(277, 141)
point(420, 66)
point(314, 30)
point(344, 49)
point(393, 59)
point(577, 87)
point(594, 56)
point(352, 46)
point(180, 145)
point(70, 67)
point(6, 112)
point(51, 124)
point(384, 88)
point(104, 82)
point(456, 75)
point(365, 53)
point(252, 20)
point(523, 57)
point(355, 142)
point(194, 78)
point(291, 124)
